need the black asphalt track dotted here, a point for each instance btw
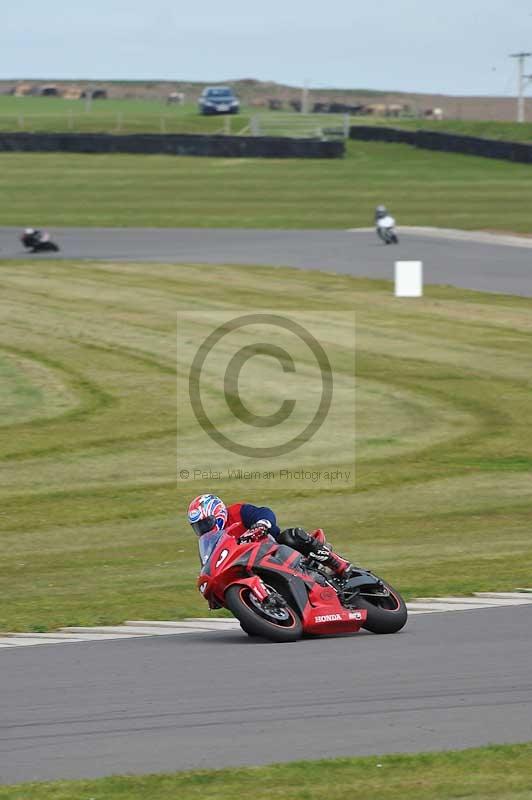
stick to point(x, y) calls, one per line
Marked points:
point(468, 264)
point(448, 680)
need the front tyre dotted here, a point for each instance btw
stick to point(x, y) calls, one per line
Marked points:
point(386, 609)
point(272, 620)
point(246, 631)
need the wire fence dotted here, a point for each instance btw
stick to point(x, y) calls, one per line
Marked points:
point(119, 122)
point(294, 125)
point(320, 126)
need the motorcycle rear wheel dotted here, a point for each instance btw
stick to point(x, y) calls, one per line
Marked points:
point(285, 627)
point(385, 614)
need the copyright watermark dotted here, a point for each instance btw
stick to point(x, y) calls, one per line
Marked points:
point(341, 476)
point(269, 391)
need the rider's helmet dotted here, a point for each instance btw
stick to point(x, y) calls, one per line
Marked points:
point(381, 211)
point(29, 231)
point(207, 513)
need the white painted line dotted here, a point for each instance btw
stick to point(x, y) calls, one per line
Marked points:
point(414, 611)
point(443, 606)
point(522, 596)
point(134, 629)
point(115, 630)
point(69, 637)
point(15, 641)
point(222, 620)
point(198, 624)
point(481, 237)
point(477, 601)
point(160, 630)
point(94, 637)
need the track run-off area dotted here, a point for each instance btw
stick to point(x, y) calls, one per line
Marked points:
point(150, 703)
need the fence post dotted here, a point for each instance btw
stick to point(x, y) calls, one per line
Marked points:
point(119, 120)
point(255, 125)
point(70, 119)
point(346, 126)
point(163, 124)
point(227, 125)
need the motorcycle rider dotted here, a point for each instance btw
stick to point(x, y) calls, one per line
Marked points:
point(32, 237)
point(380, 213)
point(207, 513)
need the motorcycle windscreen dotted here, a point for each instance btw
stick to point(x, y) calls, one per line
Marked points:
point(207, 544)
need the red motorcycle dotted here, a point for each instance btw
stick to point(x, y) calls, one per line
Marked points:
point(278, 594)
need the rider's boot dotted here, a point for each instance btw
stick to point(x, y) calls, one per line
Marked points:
point(315, 547)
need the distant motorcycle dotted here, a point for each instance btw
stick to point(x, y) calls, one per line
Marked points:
point(38, 241)
point(386, 230)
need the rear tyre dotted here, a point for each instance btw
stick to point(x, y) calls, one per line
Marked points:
point(386, 613)
point(278, 624)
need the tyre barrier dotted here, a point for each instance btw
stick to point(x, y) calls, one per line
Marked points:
point(447, 142)
point(178, 144)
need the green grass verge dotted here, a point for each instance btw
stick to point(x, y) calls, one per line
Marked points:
point(489, 773)
point(421, 187)
point(93, 528)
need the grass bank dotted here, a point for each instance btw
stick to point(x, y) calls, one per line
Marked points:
point(421, 187)
point(485, 129)
point(490, 773)
point(93, 527)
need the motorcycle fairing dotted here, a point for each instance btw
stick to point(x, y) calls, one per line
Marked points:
point(362, 579)
point(254, 564)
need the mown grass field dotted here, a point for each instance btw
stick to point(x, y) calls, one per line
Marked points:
point(49, 114)
point(93, 526)
point(421, 188)
point(490, 773)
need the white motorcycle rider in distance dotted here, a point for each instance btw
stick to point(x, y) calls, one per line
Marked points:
point(385, 224)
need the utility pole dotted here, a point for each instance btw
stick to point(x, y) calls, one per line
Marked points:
point(522, 79)
point(304, 97)
point(88, 98)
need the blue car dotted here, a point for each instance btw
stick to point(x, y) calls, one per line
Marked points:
point(218, 100)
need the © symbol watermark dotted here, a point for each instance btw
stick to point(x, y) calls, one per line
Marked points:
point(265, 394)
point(231, 385)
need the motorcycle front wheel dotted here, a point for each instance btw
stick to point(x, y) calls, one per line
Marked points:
point(278, 623)
point(387, 611)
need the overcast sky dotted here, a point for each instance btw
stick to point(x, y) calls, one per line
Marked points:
point(448, 46)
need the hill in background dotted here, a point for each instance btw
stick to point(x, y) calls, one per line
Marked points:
point(256, 93)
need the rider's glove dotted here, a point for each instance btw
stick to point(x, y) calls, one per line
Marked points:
point(258, 531)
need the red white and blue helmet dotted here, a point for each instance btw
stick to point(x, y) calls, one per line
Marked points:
point(207, 513)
